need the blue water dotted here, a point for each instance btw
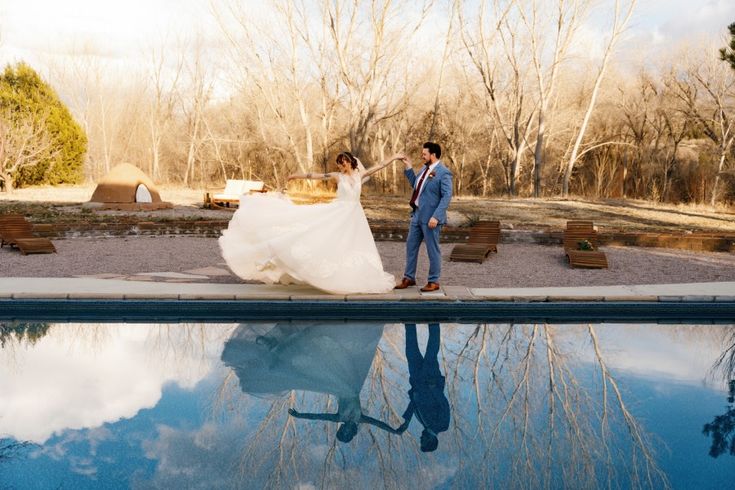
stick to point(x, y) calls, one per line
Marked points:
point(508, 406)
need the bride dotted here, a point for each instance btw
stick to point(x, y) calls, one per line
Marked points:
point(329, 246)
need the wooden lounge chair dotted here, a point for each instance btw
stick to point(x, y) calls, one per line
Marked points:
point(587, 259)
point(16, 231)
point(230, 196)
point(578, 231)
point(483, 239)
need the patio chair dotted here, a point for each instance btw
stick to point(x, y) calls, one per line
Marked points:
point(483, 239)
point(576, 233)
point(230, 196)
point(17, 231)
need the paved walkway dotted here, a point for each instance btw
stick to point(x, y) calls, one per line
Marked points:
point(115, 289)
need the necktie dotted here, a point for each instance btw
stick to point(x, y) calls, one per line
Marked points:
point(416, 190)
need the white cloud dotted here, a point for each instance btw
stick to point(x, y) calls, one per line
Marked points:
point(679, 353)
point(62, 382)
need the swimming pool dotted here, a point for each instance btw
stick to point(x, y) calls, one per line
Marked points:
point(325, 404)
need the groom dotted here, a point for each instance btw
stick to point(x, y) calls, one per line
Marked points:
point(432, 191)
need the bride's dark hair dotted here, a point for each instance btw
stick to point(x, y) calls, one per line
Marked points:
point(346, 157)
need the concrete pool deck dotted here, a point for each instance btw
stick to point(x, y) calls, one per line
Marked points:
point(20, 288)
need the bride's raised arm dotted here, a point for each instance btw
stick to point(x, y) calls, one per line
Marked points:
point(367, 173)
point(314, 176)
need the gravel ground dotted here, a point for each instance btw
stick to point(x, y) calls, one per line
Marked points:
point(516, 265)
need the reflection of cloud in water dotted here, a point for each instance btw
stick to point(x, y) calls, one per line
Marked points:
point(81, 376)
point(503, 432)
point(202, 458)
point(682, 353)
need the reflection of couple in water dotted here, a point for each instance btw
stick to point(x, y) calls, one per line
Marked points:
point(335, 359)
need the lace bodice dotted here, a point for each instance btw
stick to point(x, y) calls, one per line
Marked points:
point(349, 187)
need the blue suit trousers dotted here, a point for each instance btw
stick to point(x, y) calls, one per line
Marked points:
point(417, 233)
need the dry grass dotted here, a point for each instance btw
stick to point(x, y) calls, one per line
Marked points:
point(63, 203)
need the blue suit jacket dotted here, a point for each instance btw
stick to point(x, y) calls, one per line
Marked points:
point(434, 199)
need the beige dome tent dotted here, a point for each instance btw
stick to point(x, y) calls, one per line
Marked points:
point(127, 187)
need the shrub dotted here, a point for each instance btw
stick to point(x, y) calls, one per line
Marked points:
point(25, 96)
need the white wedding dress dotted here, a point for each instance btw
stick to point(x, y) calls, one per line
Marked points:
point(329, 246)
point(320, 357)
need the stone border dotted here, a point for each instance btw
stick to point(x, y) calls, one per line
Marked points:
point(371, 299)
point(709, 242)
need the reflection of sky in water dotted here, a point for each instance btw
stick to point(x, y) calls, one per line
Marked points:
point(154, 406)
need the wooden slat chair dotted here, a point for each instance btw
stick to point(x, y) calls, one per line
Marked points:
point(483, 239)
point(17, 231)
point(576, 232)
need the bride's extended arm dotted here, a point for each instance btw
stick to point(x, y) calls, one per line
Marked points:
point(380, 167)
point(314, 176)
point(329, 417)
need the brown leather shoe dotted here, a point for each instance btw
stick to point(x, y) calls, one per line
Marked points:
point(405, 283)
point(432, 286)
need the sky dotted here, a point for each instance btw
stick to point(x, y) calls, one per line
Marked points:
point(30, 28)
point(44, 32)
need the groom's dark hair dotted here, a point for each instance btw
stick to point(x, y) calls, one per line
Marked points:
point(433, 148)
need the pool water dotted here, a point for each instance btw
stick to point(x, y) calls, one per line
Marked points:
point(366, 405)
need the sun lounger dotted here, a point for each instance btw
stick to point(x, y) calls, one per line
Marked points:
point(17, 231)
point(578, 231)
point(230, 196)
point(483, 239)
point(577, 234)
point(587, 259)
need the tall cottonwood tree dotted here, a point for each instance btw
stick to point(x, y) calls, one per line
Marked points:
point(491, 35)
point(622, 12)
point(560, 25)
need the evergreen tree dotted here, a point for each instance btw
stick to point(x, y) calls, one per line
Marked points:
point(26, 98)
point(728, 54)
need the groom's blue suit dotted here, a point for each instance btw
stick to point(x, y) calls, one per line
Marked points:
point(432, 202)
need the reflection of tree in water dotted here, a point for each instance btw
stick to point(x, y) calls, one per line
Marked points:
point(11, 449)
point(523, 416)
point(22, 333)
point(722, 427)
point(541, 424)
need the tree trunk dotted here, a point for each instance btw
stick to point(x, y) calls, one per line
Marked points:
point(8, 181)
point(538, 159)
point(715, 186)
point(618, 27)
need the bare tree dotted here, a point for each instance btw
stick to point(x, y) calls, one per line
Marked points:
point(273, 64)
point(499, 55)
point(563, 25)
point(705, 89)
point(195, 99)
point(365, 49)
point(24, 142)
point(163, 103)
point(621, 15)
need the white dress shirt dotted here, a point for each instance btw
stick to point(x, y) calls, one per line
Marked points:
point(423, 184)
